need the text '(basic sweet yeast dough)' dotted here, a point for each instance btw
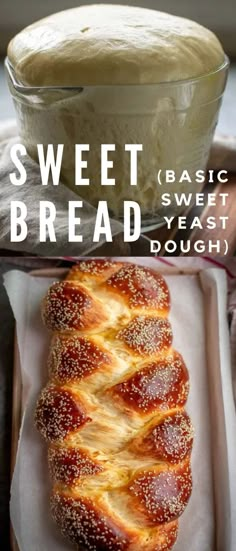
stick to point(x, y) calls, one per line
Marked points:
point(113, 44)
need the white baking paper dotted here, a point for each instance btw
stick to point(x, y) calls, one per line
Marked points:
point(212, 497)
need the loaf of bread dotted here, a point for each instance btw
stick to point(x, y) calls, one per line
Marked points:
point(113, 411)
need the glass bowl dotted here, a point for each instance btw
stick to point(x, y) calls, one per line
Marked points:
point(175, 122)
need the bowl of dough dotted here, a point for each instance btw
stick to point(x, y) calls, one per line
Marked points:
point(110, 74)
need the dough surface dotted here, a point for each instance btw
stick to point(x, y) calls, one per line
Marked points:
point(112, 44)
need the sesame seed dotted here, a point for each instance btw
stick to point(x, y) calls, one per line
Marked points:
point(73, 358)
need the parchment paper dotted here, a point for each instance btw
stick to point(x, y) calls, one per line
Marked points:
point(200, 529)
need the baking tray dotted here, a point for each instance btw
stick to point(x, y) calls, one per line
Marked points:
point(18, 399)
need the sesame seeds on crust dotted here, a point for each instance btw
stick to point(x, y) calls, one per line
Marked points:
point(147, 335)
point(142, 287)
point(68, 464)
point(58, 413)
point(158, 386)
point(87, 525)
point(92, 337)
point(98, 269)
point(73, 358)
point(70, 306)
point(170, 439)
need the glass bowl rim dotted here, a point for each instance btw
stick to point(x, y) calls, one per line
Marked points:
point(27, 90)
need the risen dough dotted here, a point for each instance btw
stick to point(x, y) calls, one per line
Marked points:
point(112, 44)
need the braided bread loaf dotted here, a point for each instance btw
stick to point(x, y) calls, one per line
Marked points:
point(113, 410)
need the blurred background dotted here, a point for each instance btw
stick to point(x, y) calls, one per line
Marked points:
point(218, 15)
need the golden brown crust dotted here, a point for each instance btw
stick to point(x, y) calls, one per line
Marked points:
point(87, 525)
point(98, 270)
point(170, 439)
point(162, 493)
point(68, 465)
point(69, 306)
point(113, 411)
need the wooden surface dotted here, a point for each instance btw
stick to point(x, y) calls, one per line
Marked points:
point(163, 234)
